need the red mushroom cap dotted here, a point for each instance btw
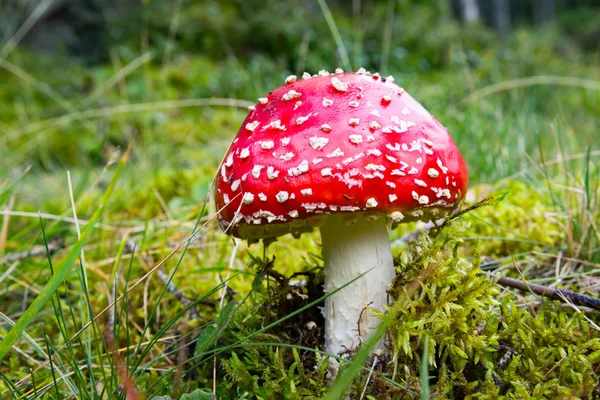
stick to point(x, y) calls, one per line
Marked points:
point(336, 143)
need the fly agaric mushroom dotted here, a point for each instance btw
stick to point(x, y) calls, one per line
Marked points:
point(351, 153)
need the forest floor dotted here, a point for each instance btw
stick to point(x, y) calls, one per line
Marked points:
point(114, 276)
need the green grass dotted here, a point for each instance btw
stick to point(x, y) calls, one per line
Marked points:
point(149, 295)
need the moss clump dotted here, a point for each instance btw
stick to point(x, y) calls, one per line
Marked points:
point(454, 307)
point(520, 223)
point(477, 346)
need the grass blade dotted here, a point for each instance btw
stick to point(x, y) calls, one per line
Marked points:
point(425, 370)
point(61, 271)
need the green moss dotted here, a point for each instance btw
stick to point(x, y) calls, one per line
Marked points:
point(480, 347)
point(522, 222)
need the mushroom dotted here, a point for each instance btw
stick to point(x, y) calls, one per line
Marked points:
point(352, 154)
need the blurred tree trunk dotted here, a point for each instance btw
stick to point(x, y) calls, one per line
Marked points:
point(501, 14)
point(73, 27)
point(543, 11)
point(465, 10)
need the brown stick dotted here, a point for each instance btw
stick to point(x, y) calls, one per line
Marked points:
point(554, 294)
point(54, 245)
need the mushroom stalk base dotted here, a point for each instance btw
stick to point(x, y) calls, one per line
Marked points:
point(349, 250)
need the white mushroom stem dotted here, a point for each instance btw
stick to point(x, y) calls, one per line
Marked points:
point(349, 250)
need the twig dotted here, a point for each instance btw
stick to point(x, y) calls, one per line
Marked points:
point(412, 235)
point(53, 246)
point(554, 294)
point(375, 360)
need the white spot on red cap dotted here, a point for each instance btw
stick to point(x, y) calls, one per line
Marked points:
point(293, 213)
point(327, 102)
point(397, 216)
point(298, 104)
point(272, 173)
point(267, 144)
point(325, 128)
point(421, 199)
point(251, 126)
point(371, 203)
point(245, 152)
point(391, 184)
point(441, 192)
point(262, 197)
point(419, 160)
point(323, 73)
point(356, 139)
point(351, 159)
point(326, 172)
point(285, 141)
point(392, 198)
point(286, 157)
point(263, 100)
point(444, 169)
point(318, 143)
point(251, 108)
point(306, 192)
point(392, 159)
point(433, 173)
point(317, 160)
point(274, 125)
point(301, 120)
point(397, 172)
point(374, 125)
point(370, 138)
point(306, 75)
point(339, 85)
point(386, 99)
point(374, 167)
point(420, 182)
point(256, 170)
point(248, 198)
point(353, 121)
point(339, 71)
point(282, 196)
point(361, 71)
point(375, 113)
point(290, 79)
point(336, 153)
point(300, 169)
point(291, 95)
point(229, 161)
point(374, 152)
point(405, 111)
point(354, 104)
point(235, 185)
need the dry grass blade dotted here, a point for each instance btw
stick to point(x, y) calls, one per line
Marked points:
point(111, 304)
point(122, 109)
point(34, 17)
point(532, 81)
